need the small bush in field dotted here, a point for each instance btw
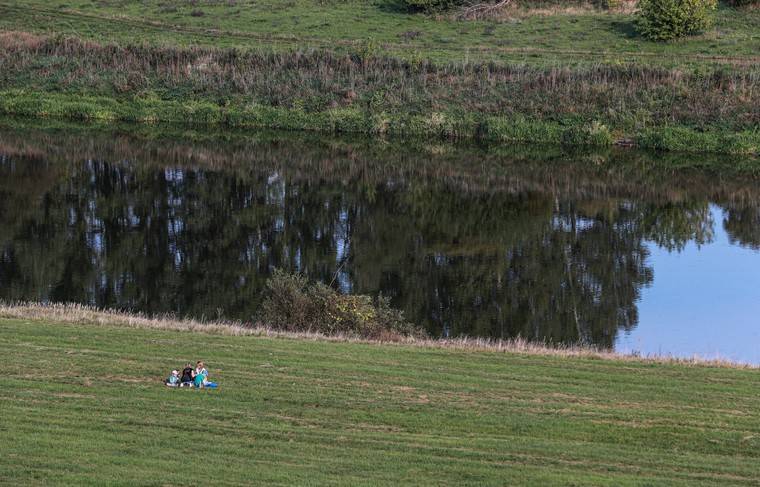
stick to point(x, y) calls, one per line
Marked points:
point(294, 304)
point(743, 3)
point(664, 20)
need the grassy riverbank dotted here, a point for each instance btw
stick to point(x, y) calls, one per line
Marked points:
point(84, 403)
point(120, 62)
point(438, 125)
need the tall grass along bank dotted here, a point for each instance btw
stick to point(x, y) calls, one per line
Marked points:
point(86, 404)
point(364, 93)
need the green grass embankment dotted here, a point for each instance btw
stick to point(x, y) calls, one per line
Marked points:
point(336, 120)
point(441, 125)
point(84, 404)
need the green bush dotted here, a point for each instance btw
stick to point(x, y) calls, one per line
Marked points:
point(664, 20)
point(294, 304)
point(743, 3)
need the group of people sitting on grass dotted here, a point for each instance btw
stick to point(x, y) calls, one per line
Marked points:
point(197, 377)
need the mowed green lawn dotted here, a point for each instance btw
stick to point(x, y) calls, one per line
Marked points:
point(86, 405)
point(578, 36)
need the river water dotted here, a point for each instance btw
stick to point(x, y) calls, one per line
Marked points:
point(633, 251)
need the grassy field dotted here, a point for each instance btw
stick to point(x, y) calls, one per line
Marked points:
point(85, 404)
point(579, 34)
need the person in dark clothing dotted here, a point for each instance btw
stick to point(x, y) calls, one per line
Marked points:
point(188, 374)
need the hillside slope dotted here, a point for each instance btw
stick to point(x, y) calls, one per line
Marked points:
point(84, 404)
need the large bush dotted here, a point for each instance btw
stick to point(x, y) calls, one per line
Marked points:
point(294, 304)
point(664, 20)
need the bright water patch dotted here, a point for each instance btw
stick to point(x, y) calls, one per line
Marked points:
point(704, 300)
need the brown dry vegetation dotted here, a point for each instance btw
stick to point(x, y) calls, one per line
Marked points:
point(517, 9)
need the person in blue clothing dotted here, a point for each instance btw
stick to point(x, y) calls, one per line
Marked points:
point(201, 376)
point(173, 379)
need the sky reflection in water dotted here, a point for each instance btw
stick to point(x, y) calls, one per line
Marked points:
point(704, 300)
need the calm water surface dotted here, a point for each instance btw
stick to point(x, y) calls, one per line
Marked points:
point(616, 249)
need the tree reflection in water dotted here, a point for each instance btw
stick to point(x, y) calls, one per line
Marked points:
point(464, 240)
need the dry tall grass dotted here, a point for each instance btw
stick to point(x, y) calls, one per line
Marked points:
point(519, 9)
point(76, 314)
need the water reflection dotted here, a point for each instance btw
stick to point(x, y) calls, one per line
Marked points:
point(465, 240)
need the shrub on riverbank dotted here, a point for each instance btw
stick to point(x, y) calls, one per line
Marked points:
point(294, 304)
point(665, 20)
